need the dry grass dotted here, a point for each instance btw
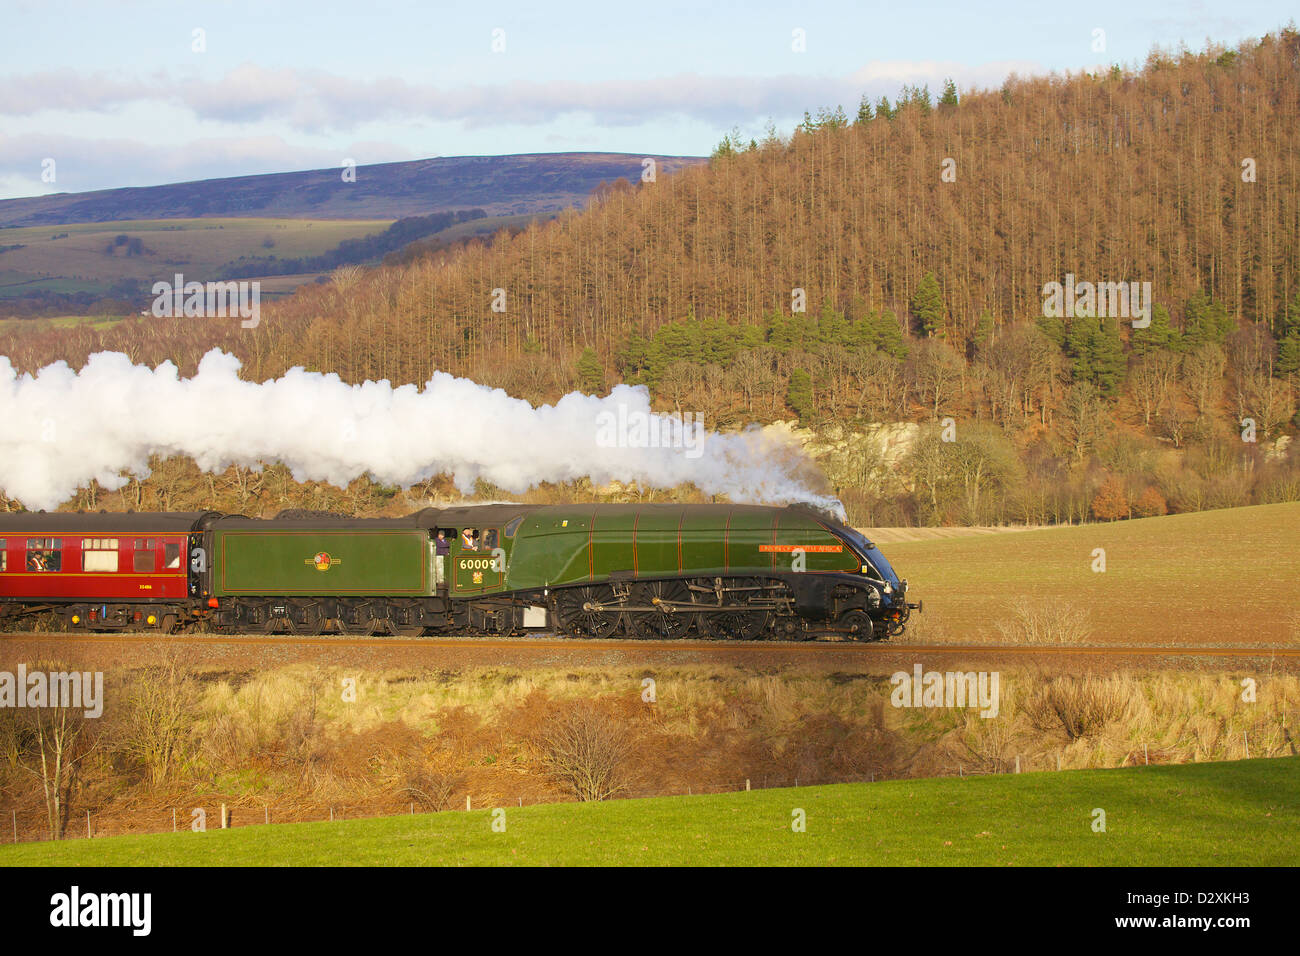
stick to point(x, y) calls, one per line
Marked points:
point(1044, 620)
point(288, 738)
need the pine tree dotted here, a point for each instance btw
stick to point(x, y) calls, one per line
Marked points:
point(1288, 354)
point(983, 330)
point(864, 111)
point(1160, 334)
point(799, 396)
point(1205, 320)
point(949, 98)
point(1053, 328)
point(927, 306)
point(591, 374)
point(1106, 356)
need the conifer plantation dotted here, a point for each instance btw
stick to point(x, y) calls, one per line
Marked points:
point(876, 267)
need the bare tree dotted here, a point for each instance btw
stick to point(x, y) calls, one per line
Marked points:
point(588, 751)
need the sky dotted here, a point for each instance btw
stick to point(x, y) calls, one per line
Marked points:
point(137, 93)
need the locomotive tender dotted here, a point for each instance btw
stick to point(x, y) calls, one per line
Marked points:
point(739, 572)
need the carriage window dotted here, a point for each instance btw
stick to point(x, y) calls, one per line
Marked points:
point(99, 554)
point(144, 557)
point(490, 539)
point(171, 555)
point(43, 554)
point(4, 556)
point(513, 526)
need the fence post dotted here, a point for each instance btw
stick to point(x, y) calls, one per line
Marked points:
point(1146, 756)
point(87, 824)
point(1017, 763)
point(15, 826)
point(747, 785)
point(173, 819)
point(267, 808)
point(225, 818)
point(1245, 740)
point(331, 814)
point(467, 803)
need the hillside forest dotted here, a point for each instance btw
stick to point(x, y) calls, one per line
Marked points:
point(889, 263)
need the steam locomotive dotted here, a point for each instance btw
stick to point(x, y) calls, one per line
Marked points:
point(658, 571)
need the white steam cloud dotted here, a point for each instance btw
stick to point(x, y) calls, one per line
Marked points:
point(61, 428)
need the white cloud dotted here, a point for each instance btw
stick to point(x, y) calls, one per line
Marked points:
point(315, 100)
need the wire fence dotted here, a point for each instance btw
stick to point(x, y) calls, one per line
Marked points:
point(31, 823)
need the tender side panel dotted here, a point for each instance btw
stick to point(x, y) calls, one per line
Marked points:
point(321, 563)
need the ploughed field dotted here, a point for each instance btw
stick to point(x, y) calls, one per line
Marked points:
point(1212, 577)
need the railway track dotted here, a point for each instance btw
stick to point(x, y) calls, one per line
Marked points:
point(551, 643)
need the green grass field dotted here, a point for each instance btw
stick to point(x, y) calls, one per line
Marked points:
point(1205, 578)
point(1223, 814)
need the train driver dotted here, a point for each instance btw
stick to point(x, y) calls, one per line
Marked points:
point(469, 539)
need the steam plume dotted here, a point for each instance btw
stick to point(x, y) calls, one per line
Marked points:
point(61, 428)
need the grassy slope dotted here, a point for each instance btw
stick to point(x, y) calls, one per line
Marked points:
point(1242, 813)
point(194, 246)
point(1209, 577)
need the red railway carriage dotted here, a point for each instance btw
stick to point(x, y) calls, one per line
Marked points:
point(99, 570)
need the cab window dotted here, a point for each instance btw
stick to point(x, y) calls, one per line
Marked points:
point(513, 526)
point(44, 554)
point(490, 539)
point(171, 555)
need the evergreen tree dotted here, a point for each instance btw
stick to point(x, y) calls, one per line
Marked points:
point(799, 396)
point(1205, 320)
point(1291, 317)
point(949, 98)
point(1160, 334)
point(884, 110)
point(1288, 354)
point(864, 111)
point(1078, 347)
point(983, 333)
point(927, 306)
point(591, 374)
point(1053, 328)
point(1106, 356)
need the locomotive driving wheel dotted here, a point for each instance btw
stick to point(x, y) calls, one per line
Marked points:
point(857, 625)
point(669, 620)
point(585, 611)
point(734, 624)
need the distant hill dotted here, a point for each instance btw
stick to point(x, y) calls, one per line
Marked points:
point(501, 185)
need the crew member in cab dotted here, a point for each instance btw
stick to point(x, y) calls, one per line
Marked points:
point(469, 539)
point(441, 549)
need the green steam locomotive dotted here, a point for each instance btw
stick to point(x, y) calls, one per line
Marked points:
point(658, 571)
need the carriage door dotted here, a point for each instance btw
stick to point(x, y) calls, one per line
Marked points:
point(476, 569)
